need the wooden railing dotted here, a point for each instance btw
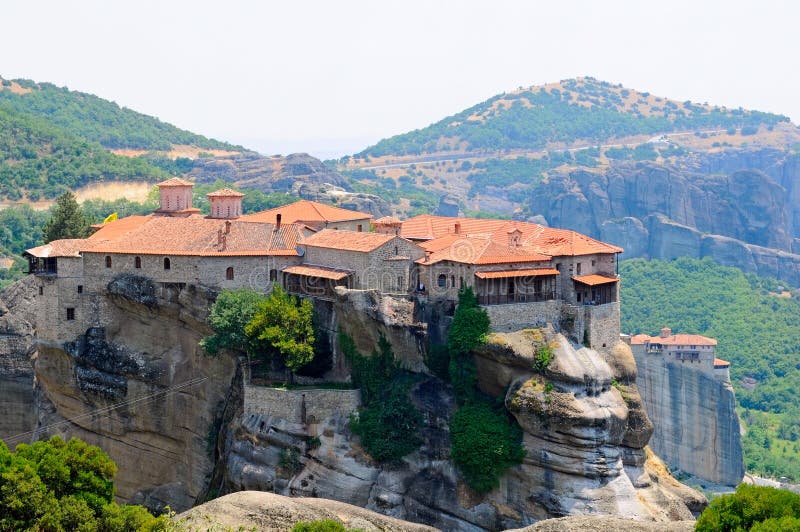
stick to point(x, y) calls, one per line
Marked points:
point(505, 299)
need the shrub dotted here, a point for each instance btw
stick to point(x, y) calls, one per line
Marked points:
point(542, 358)
point(325, 525)
point(484, 444)
point(752, 508)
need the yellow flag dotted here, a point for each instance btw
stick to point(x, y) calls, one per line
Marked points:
point(110, 218)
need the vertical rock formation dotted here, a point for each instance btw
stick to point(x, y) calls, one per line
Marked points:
point(694, 413)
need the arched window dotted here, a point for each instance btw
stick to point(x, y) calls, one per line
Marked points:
point(217, 211)
point(167, 264)
point(452, 281)
point(441, 281)
point(229, 273)
point(137, 262)
point(108, 261)
point(273, 275)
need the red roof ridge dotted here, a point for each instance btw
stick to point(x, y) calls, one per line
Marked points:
point(175, 182)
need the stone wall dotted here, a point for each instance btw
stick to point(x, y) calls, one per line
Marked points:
point(602, 322)
point(299, 406)
point(516, 316)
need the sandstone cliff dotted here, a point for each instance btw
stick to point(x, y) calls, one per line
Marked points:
point(694, 414)
point(738, 207)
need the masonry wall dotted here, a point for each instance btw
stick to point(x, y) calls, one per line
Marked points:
point(602, 322)
point(516, 316)
point(289, 404)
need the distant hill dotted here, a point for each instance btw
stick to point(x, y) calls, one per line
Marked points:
point(97, 120)
point(582, 109)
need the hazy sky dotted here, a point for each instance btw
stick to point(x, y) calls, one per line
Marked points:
point(331, 77)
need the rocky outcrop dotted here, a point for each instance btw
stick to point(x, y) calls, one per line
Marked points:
point(17, 345)
point(298, 174)
point(257, 510)
point(738, 207)
point(142, 390)
point(696, 425)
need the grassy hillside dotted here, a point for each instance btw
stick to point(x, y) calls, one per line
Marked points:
point(582, 109)
point(97, 120)
point(43, 160)
point(757, 324)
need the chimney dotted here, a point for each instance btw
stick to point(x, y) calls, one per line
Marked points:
point(227, 227)
point(457, 228)
point(278, 221)
point(224, 243)
point(666, 332)
point(219, 237)
point(428, 256)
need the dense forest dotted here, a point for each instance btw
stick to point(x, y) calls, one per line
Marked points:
point(583, 109)
point(97, 120)
point(757, 324)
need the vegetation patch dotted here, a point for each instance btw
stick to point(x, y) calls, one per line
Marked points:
point(754, 508)
point(324, 525)
point(387, 422)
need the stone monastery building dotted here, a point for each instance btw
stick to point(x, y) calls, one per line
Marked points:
point(687, 349)
point(523, 273)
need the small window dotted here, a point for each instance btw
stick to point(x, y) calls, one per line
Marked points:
point(273, 275)
point(399, 282)
point(579, 297)
point(108, 261)
point(41, 290)
point(359, 228)
point(441, 281)
point(396, 253)
point(452, 281)
point(578, 269)
point(593, 265)
point(558, 266)
point(167, 264)
point(80, 288)
point(70, 314)
point(229, 211)
point(229, 273)
point(461, 282)
point(137, 262)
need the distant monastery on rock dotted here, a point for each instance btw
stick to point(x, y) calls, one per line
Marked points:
point(524, 274)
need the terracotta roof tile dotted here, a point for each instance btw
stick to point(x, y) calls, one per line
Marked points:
point(347, 240)
point(545, 240)
point(505, 274)
point(225, 193)
point(306, 211)
point(595, 279)
point(68, 247)
point(317, 271)
point(175, 182)
point(674, 339)
point(477, 249)
point(387, 220)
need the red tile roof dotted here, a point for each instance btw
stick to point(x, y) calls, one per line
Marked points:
point(317, 271)
point(387, 220)
point(468, 249)
point(545, 240)
point(719, 363)
point(175, 182)
point(595, 279)
point(68, 247)
point(191, 236)
point(306, 211)
point(225, 193)
point(347, 240)
point(673, 339)
point(505, 274)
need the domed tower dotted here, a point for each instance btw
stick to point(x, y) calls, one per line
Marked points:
point(225, 204)
point(175, 198)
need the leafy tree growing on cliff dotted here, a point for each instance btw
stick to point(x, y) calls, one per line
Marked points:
point(282, 327)
point(57, 485)
point(232, 312)
point(66, 221)
point(468, 331)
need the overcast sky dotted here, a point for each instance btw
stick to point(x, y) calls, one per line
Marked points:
point(332, 77)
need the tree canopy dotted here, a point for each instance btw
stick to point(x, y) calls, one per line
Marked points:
point(66, 220)
point(282, 328)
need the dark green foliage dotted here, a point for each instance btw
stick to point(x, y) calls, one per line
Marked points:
point(282, 329)
point(542, 359)
point(229, 316)
point(470, 325)
point(756, 330)
point(44, 160)
point(485, 442)
point(57, 485)
point(20, 229)
point(557, 117)
point(752, 508)
point(66, 220)
point(101, 121)
point(438, 361)
point(326, 525)
point(387, 423)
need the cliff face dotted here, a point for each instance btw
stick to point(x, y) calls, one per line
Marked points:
point(16, 371)
point(737, 207)
point(696, 425)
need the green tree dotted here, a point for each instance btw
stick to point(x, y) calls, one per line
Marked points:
point(67, 220)
point(229, 316)
point(752, 508)
point(468, 330)
point(282, 327)
point(57, 485)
